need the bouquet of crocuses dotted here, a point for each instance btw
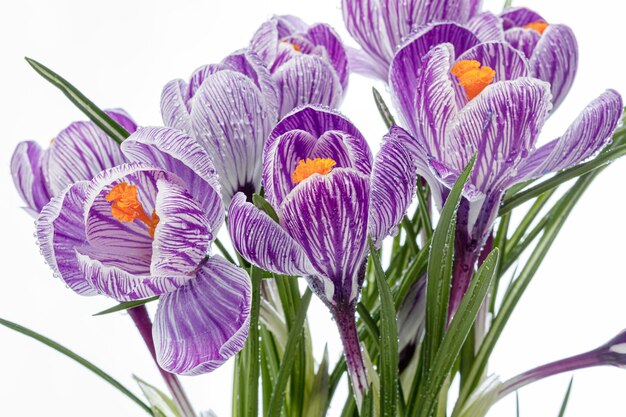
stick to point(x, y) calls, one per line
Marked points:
point(410, 246)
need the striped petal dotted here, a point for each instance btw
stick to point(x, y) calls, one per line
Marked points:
point(180, 154)
point(524, 40)
point(264, 42)
point(263, 242)
point(362, 64)
point(328, 216)
point(307, 79)
point(487, 27)
point(589, 133)
point(506, 61)
point(234, 143)
point(80, 152)
point(181, 239)
point(501, 124)
point(393, 185)
point(61, 229)
point(28, 176)
point(202, 324)
point(176, 105)
point(520, 16)
point(555, 60)
point(323, 35)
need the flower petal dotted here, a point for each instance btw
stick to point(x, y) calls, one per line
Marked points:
point(231, 119)
point(80, 152)
point(263, 242)
point(589, 133)
point(123, 119)
point(506, 61)
point(181, 155)
point(362, 64)
point(487, 27)
point(307, 79)
point(61, 228)
point(202, 324)
point(264, 42)
point(555, 60)
point(28, 177)
point(501, 124)
point(176, 105)
point(520, 16)
point(524, 40)
point(181, 239)
point(393, 185)
point(324, 35)
point(328, 216)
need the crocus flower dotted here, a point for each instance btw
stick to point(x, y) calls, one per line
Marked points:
point(551, 48)
point(329, 199)
point(145, 229)
point(229, 108)
point(487, 102)
point(612, 353)
point(308, 63)
point(78, 152)
point(380, 26)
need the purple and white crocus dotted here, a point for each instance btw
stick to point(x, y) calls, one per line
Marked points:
point(330, 198)
point(381, 26)
point(551, 49)
point(487, 102)
point(229, 108)
point(308, 63)
point(78, 152)
point(145, 229)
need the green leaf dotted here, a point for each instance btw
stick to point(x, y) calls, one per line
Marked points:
point(65, 351)
point(252, 348)
point(383, 109)
point(561, 212)
point(100, 118)
point(440, 266)
point(566, 398)
point(262, 204)
point(318, 398)
point(295, 337)
point(507, 4)
point(600, 161)
point(367, 409)
point(162, 405)
point(389, 378)
point(460, 326)
point(126, 305)
point(517, 404)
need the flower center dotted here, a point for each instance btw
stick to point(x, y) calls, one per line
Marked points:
point(472, 77)
point(126, 207)
point(308, 167)
point(539, 26)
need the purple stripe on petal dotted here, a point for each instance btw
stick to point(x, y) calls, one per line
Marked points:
point(521, 16)
point(28, 176)
point(324, 35)
point(123, 118)
point(181, 155)
point(307, 79)
point(555, 60)
point(589, 133)
point(264, 42)
point(181, 239)
point(61, 228)
point(362, 64)
point(363, 19)
point(198, 77)
point(202, 324)
point(80, 152)
point(524, 40)
point(487, 27)
point(328, 216)
point(289, 24)
point(501, 124)
point(176, 105)
point(393, 185)
point(506, 61)
point(231, 119)
point(263, 242)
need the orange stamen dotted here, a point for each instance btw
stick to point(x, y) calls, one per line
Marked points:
point(294, 46)
point(472, 77)
point(125, 206)
point(539, 26)
point(308, 167)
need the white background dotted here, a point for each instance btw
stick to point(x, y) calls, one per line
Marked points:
point(120, 53)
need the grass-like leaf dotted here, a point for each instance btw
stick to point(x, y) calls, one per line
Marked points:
point(126, 305)
point(295, 338)
point(264, 206)
point(389, 378)
point(252, 346)
point(162, 405)
point(100, 118)
point(566, 398)
point(383, 109)
point(460, 326)
point(70, 354)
